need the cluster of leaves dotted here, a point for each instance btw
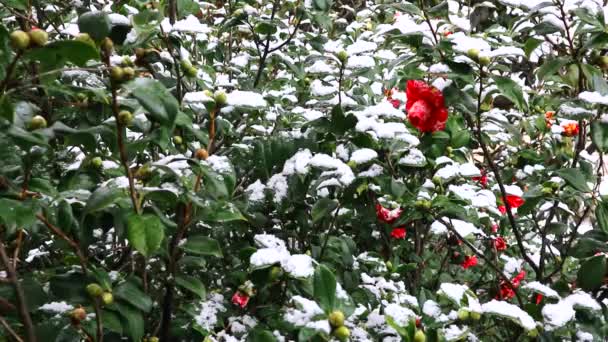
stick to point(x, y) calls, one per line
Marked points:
point(255, 170)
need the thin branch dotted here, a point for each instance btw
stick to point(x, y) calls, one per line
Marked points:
point(19, 295)
point(485, 258)
point(10, 330)
point(67, 239)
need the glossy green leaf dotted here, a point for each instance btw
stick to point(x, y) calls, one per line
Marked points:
point(145, 233)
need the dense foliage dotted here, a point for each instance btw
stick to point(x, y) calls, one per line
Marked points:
point(181, 170)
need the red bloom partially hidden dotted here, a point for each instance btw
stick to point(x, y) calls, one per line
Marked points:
point(387, 215)
point(500, 243)
point(425, 107)
point(469, 261)
point(398, 233)
point(570, 129)
point(506, 292)
point(241, 299)
point(483, 179)
point(515, 201)
point(539, 298)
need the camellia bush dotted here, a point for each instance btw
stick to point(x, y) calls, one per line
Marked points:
point(182, 170)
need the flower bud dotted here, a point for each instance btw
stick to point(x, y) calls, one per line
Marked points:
point(177, 140)
point(128, 73)
point(476, 316)
point(116, 73)
point(78, 315)
point(419, 336)
point(473, 54)
point(220, 97)
point(342, 56)
point(463, 314)
point(97, 162)
point(107, 298)
point(107, 45)
point(484, 60)
point(201, 154)
point(19, 40)
point(37, 122)
point(336, 318)
point(94, 290)
point(342, 333)
point(38, 37)
point(125, 117)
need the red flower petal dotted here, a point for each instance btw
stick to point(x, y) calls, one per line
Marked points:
point(469, 261)
point(398, 233)
point(241, 299)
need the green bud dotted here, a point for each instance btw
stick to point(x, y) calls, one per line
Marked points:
point(342, 333)
point(107, 298)
point(473, 54)
point(19, 40)
point(336, 318)
point(463, 314)
point(220, 97)
point(38, 37)
point(342, 56)
point(94, 290)
point(419, 336)
point(37, 122)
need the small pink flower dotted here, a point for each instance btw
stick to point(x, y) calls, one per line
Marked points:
point(241, 299)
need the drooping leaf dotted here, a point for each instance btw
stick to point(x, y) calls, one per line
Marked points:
point(591, 274)
point(202, 245)
point(510, 90)
point(156, 99)
point(324, 288)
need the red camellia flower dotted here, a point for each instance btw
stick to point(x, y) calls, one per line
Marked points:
point(386, 215)
point(500, 243)
point(506, 292)
point(398, 233)
point(469, 261)
point(515, 201)
point(241, 299)
point(539, 298)
point(425, 107)
point(570, 129)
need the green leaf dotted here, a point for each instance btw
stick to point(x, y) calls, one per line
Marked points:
point(511, 90)
point(530, 45)
point(266, 28)
point(599, 135)
point(601, 215)
point(324, 207)
point(145, 233)
point(130, 293)
point(156, 99)
point(97, 24)
point(192, 284)
point(591, 274)
point(574, 177)
point(259, 335)
point(550, 67)
point(133, 322)
point(102, 198)
point(322, 5)
point(324, 288)
point(59, 52)
point(202, 245)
